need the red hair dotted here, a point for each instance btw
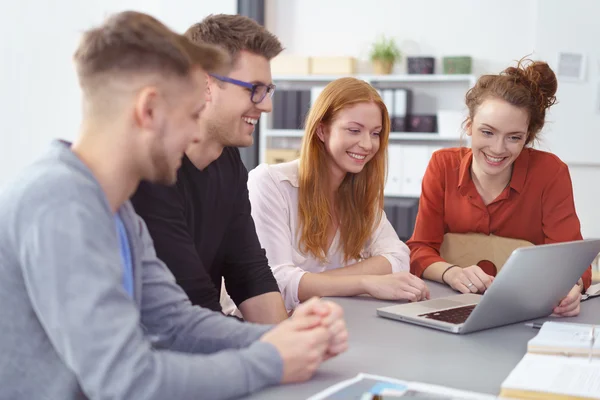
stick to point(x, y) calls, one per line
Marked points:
point(359, 199)
point(532, 87)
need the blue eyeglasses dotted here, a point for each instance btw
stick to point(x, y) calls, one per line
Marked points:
point(258, 90)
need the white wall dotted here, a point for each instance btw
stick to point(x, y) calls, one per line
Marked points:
point(495, 33)
point(39, 96)
point(421, 27)
point(574, 129)
point(576, 117)
point(181, 14)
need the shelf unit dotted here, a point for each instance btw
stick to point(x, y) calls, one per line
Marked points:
point(429, 83)
point(374, 79)
point(430, 94)
point(394, 136)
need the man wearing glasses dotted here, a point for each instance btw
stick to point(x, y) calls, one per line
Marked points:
point(201, 227)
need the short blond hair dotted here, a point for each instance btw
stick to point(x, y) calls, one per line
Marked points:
point(131, 42)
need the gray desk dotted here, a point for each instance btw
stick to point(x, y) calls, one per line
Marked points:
point(477, 361)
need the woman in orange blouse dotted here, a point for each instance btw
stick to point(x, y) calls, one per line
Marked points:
point(500, 185)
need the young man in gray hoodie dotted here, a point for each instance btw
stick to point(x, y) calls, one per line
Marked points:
point(88, 310)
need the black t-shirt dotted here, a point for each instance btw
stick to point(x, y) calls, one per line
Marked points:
point(202, 230)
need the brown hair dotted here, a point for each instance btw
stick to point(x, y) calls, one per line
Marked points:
point(531, 87)
point(235, 33)
point(135, 42)
point(360, 196)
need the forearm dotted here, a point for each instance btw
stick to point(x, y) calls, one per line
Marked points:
point(223, 375)
point(323, 285)
point(214, 332)
point(422, 256)
point(255, 291)
point(190, 329)
point(377, 265)
point(435, 271)
point(267, 308)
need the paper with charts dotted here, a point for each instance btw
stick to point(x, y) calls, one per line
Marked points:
point(373, 387)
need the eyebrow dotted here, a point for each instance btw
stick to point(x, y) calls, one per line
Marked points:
point(260, 83)
point(510, 133)
point(357, 123)
point(361, 125)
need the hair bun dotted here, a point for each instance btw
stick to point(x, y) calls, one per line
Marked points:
point(539, 78)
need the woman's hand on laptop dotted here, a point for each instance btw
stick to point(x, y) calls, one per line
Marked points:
point(570, 305)
point(396, 286)
point(468, 280)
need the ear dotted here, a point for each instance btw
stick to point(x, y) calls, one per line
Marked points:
point(209, 81)
point(320, 132)
point(469, 126)
point(149, 109)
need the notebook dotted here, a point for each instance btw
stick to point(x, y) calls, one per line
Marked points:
point(539, 376)
point(568, 339)
point(562, 362)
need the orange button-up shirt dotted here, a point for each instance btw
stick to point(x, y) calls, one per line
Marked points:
point(536, 206)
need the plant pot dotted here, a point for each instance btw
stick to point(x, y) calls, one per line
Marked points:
point(382, 67)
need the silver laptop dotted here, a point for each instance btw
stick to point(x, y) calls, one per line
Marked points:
point(530, 284)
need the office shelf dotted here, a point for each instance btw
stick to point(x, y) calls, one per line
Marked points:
point(431, 94)
point(409, 136)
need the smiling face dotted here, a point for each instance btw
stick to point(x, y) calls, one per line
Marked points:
point(352, 138)
point(230, 115)
point(498, 133)
point(175, 130)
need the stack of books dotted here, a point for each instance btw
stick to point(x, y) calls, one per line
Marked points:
point(562, 362)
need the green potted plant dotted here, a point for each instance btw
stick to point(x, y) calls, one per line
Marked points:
point(384, 54)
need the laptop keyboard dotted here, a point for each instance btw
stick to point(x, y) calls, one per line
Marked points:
point(453, 315)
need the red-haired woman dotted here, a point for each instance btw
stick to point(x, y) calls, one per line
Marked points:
point(320, 218)
point(499, 186)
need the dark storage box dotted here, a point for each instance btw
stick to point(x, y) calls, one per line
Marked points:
point(420, 65)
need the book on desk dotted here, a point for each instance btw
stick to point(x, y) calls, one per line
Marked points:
point(562, 362)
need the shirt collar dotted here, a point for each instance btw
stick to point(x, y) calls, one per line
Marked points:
point(288, 172)
point(517, 181)
point(464, 172)
point(519, 173)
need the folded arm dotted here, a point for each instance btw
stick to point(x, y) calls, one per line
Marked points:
point(96, 328)
point(271, 213)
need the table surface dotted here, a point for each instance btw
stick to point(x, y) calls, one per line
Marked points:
point(478, 361)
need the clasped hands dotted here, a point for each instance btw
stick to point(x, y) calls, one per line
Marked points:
point(315, 332)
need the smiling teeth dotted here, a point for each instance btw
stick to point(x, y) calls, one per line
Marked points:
point(494, 159)
point(251, 121)
point(357, 156)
